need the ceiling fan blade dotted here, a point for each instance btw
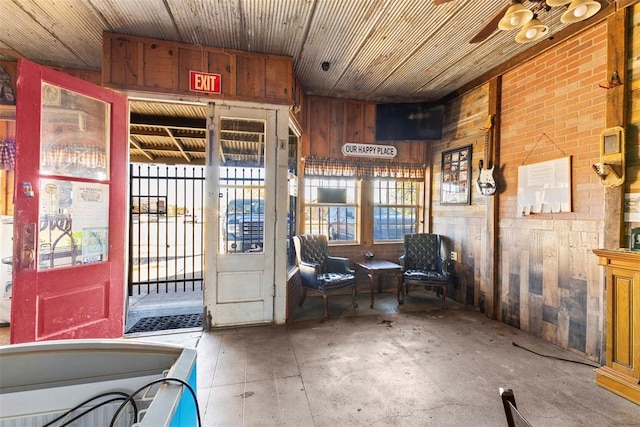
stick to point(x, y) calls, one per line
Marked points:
point(490, 26)
point(439, 2)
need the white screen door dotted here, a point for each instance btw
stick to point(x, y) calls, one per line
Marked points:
point(240, 205)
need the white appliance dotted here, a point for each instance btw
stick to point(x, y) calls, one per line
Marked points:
point(6, 263)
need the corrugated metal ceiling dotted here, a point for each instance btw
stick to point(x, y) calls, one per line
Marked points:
point(379, 50)
point(167, 132)
point(150, 108)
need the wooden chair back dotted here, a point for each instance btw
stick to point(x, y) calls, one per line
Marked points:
point(514, 417)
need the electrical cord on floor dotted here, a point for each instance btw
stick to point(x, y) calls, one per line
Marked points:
point(149, 384)
point(554, 357)
point(122, 395)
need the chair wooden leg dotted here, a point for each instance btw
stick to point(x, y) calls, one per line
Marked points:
point(304, 295)
point(353, 298)
point(401, 291)
point(445, 292)
point(326, 305)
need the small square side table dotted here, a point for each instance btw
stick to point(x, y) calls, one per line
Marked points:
point(375, 269)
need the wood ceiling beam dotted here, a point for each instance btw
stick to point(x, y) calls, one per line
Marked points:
point(139, 147)
point(179, 145)
point(153, 149)
point(160, 132)
point(155, 131)
point(167, 160)
point(185, 123)
point(617, 54)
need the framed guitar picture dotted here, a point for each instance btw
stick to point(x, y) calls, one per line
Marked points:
point(456, 177)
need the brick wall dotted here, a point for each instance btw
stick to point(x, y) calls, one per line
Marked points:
point(557, 95)
point(549, 282)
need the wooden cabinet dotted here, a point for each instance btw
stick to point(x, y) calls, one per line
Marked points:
point(621, 373)
point(7, 132)
point(7, 112)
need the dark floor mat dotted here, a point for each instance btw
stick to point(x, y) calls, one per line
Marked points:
point(163, 323)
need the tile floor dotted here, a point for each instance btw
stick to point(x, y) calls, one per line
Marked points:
point(414, 365)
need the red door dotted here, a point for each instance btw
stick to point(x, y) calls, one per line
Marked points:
point(69, 208)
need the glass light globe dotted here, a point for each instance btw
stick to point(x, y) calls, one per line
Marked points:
point(580, 11)
point(531, 33)
point(515, 20)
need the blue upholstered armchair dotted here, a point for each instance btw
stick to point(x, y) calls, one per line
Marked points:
point(321, 272)
point(425, 262)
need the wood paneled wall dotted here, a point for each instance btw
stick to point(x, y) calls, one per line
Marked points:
point(463, 225)
point(632, 89)
point(332, 122)
point(143, 64)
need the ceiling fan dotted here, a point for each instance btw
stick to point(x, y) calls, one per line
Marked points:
point(492, 24)
point(577, 10)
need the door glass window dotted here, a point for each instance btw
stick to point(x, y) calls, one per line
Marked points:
point(75, 134)
point(292, 206)
point(73, 223)
point(73, 215)
point(242, 185)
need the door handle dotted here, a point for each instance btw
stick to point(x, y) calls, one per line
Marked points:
point(27, 258)
point(27, 253)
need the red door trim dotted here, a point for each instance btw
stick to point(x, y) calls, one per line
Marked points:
point(94, 307)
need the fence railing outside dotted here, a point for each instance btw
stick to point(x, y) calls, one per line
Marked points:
point(165, 229)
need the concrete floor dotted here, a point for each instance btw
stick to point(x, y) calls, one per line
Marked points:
point(152, 304)
point(414, 365)
point(417, 365)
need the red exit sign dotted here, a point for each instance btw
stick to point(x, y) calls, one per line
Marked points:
point(204, 82)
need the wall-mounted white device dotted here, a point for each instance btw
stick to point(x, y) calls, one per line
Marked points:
point(611, 167)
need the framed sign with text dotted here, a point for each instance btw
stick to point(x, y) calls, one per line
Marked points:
point(456, 177)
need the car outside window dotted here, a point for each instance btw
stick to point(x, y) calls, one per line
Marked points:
point(395, 211)
point(342, 223)
point(337, 220)
point(243, 225)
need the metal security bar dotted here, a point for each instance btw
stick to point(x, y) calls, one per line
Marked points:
point(165, 229)
point(395, 209)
